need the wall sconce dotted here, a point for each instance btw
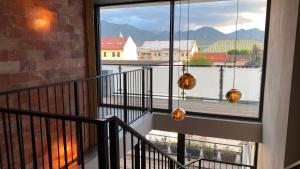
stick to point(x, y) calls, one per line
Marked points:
point(41, 19)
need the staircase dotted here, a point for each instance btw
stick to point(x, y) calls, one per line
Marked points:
point(73, 125)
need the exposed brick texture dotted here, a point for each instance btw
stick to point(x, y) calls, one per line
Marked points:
point(31, 56)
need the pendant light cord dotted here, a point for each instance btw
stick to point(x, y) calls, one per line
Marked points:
point(187, 38)
point(235, 42)
point(179, 36)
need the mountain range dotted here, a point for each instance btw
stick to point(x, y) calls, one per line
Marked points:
point(204, 35)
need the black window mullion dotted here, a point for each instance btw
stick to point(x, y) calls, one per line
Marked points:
point(171, 54)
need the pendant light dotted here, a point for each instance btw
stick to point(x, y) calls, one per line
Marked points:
point(187, 81)
point(234, 95)
point(178, 114)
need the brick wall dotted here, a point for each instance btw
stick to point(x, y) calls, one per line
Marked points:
point(41, 42)
point(31, 55)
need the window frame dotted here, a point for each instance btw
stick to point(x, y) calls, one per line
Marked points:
point(106, 3)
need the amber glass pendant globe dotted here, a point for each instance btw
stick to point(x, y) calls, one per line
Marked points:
point(233, 95)
point(178, 114)
point(186, 81)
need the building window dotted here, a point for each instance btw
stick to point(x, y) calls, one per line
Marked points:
point(104, 54)
point(113, 54)
point(118, 54)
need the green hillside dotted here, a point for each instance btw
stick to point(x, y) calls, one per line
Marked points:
point(226, 45)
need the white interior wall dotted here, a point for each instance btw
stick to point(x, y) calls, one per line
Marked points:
point(282, 34)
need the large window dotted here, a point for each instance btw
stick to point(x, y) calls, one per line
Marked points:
point(138, 37)
point(138, 34)
point(207, 35)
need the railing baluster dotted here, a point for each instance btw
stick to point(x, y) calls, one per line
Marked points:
point(80, 143)
point(132, 151)
point(114, 144)
point(106, 94)
point(20, 134)
point(124, 148)
point(9, 130)
point(143, 155)
point(125, 97)
point(102, 139)
point(76, 99)
point(22, 162)
point(149, 156)
point(6, 140)
point(158, 162)
point(65, 144)
point(49, 143)
point(151, 89)
point(41, 129)
point(143, 90)
point(154, 159)
point(137, 155)
point(171, 164)
point(34, 156)
point(56, 122)
point(70, 112)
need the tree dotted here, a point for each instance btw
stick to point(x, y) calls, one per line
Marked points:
point(256, 59)
point(203, 61)
point(245, 52)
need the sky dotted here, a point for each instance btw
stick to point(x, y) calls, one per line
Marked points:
point(220, 15)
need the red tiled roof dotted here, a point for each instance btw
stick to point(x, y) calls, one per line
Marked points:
point(213, 57)
point(113, 43)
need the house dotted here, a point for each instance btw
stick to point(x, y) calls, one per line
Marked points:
point(159, 50)
point(118, 48)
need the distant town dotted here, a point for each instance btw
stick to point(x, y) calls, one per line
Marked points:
point(220, 52)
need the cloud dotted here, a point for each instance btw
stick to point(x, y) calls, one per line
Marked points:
point(220, 15)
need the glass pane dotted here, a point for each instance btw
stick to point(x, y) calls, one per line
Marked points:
point(209, 48)
point(134, 36)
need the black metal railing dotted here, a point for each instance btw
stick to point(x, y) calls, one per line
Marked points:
point(117, 145)
point(44, 140)
point(214, 164)
point(138, 152)
point(126, 95)
point(56, 126)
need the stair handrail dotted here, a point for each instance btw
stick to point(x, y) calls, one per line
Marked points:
point(141, 137)
point(295, 164)
point(92, 121)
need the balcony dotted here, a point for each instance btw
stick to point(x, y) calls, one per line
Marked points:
point(208, 97)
